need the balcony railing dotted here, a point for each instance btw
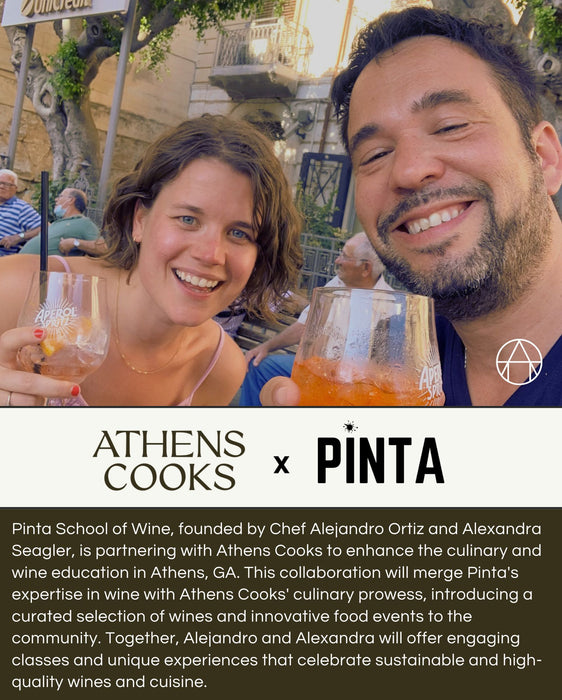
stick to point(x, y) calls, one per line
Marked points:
point(252, 60)
point(272, 40)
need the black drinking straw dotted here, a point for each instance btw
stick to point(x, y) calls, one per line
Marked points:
point(44, 233)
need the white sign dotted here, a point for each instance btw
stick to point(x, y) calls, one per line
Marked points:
point(281, 457)
point(18, 12)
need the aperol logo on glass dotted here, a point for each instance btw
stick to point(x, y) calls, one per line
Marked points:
point(59, 315)
point(430, 378)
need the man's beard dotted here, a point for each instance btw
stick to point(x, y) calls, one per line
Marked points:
point(506, 260)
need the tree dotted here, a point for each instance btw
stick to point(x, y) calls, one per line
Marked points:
point(59, 86)
point(538, 31)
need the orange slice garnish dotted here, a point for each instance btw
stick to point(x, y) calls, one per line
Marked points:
point(55, 342)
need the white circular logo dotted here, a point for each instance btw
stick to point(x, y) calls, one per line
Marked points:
point(517, 355)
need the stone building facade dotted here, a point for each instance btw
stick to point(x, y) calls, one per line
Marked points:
point(296, 108)
point(150, 105)
point(303, 127)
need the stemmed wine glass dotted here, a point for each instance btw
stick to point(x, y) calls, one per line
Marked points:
point(72, 310)
point(369, 347)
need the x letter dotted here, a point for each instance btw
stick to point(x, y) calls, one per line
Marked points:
point(281, 465)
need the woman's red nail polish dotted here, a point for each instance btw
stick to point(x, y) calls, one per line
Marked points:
point(38, 333)
point(75, 390)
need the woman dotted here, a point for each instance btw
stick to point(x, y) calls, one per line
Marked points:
point(207, 216)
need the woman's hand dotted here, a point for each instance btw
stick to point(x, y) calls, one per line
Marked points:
point(19, 388)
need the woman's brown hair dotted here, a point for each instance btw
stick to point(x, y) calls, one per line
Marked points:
point(246, 150)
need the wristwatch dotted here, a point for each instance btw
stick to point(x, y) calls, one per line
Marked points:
point(76, 243)
point(21, 235)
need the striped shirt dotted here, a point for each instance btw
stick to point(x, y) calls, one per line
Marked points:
point(16, 216)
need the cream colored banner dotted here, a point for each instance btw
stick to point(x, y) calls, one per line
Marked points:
point(281, 457)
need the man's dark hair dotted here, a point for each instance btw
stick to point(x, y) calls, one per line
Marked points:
point(79, 200)
point(514, 75)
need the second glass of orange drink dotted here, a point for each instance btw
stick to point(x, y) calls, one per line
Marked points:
point(368, 347)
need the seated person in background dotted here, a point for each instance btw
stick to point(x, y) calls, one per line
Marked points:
point(72, 224)
point(358, 266)
point(232, 317)
point(18, 220)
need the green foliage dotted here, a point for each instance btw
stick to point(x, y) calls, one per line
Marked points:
point(316, 217)
point(548, 23)
point(111, 33)
point(154, 55)
point(206, 14)
point(68, 71)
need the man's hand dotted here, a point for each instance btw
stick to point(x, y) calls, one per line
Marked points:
point(66, 245)
point(10, 241)
point(86, 247)
point(257, 354)
point(280, 391)
point(291, 335)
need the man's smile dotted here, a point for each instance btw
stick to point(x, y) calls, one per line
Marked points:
point(434, 219)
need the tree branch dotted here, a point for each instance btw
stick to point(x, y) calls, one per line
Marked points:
point(161, 20)
point(95, 35)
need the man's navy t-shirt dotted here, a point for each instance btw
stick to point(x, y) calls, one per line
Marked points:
point(545, 390)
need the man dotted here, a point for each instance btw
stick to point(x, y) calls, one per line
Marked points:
point(18, 220)
point(357, 265)
point(72, 231)
point(455, 172)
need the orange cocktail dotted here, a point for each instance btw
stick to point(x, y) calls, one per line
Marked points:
point(368, 347)
point(336, 383)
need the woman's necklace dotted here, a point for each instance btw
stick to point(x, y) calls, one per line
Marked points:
point(129, 364)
